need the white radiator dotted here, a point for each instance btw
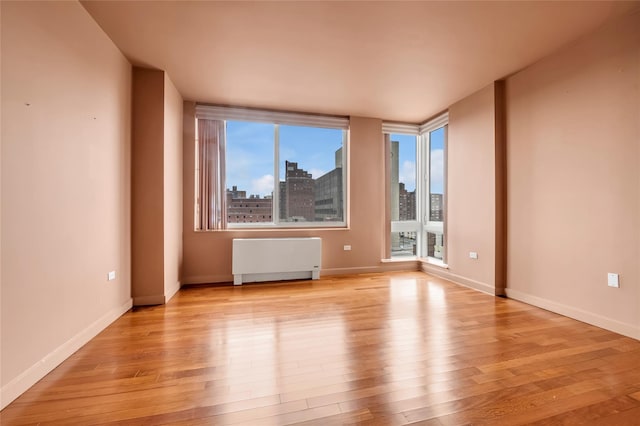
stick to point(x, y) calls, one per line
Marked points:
point(272, 259)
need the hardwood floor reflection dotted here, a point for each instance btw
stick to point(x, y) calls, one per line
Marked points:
point(376, 349)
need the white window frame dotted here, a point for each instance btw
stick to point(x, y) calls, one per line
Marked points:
point(423, 224)
point(409, 225)
point(277, 118)
point(430, 226)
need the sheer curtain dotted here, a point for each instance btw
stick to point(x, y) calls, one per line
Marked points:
point(211, 173)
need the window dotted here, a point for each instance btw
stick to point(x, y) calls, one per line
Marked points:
point(311, 177)
point(274, 169)
point(249, 172)
point(402, 193)
point(416, 195)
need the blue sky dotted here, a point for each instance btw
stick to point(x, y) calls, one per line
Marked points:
point(437, 161)
point(312, 148)
point(407, 165)
point(249, 154)
point(407, 160)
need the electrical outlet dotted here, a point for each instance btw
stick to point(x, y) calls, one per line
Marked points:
point(473, 255)
point(613, 280)
point(111, 276)
point(347, 248)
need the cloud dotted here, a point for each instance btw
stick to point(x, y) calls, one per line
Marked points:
point(437, 171)
point(407, 175)
point(262, 186)
point(316, 173)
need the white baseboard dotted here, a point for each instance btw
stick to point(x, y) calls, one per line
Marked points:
point(619, 327)
point(33, 374)
point(172, 291)
point(384, 267)
point(467, 282)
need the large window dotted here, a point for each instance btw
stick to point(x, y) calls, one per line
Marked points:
point(416, 195)
point(272, 169)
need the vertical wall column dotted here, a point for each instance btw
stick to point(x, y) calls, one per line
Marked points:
point(156, 241)
point(500, 140)
point(476, 192)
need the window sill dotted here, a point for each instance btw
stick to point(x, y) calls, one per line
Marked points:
point(434, 262)
point(273, 229)
point(400, 259)
point(283, 227)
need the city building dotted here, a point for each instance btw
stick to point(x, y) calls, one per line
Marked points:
point(298, 194)
point(402, 206)
point(328, 193)
point(234, 193)
point(282, 206)
point(436, 207)
point(406, 203)
point(295, 194)
point(253, 209)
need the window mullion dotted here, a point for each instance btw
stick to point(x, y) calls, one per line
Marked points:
point(418, 191)
point(427, 183)
point(275, 213)
point(426, 199)
point(345, 156)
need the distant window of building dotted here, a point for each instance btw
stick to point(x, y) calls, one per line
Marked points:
point(290, 167)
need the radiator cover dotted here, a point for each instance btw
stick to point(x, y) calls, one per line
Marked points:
point(273, 259)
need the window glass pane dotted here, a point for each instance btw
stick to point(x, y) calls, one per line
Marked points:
point(403, 191)
point(435, 245)
point(436, 174)
point(249, 171)
point(403, 244)
point(310, 181)
point(403, 177)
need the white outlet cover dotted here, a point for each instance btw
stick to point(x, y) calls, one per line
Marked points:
point(347, 248)
point(111, 276)
point(613, 280)
point(473, 255)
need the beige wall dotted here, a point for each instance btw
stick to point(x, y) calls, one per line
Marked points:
point(1, 398)
point(207, 255)
point(471, 189)
point(156, 187)
point(571, 197)
point(65, 187)
point(172, 187)
point(573, 132)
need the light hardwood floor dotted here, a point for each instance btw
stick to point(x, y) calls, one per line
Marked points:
point(380, 349)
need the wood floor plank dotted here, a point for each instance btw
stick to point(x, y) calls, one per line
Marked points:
point(591, 413)
point(376, 349)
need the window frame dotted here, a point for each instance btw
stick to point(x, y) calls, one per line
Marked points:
point(430, 226)
point(389, 129)
point(423, 223)
point(277, 118)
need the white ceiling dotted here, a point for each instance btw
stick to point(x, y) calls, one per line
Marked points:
point(403, 61)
